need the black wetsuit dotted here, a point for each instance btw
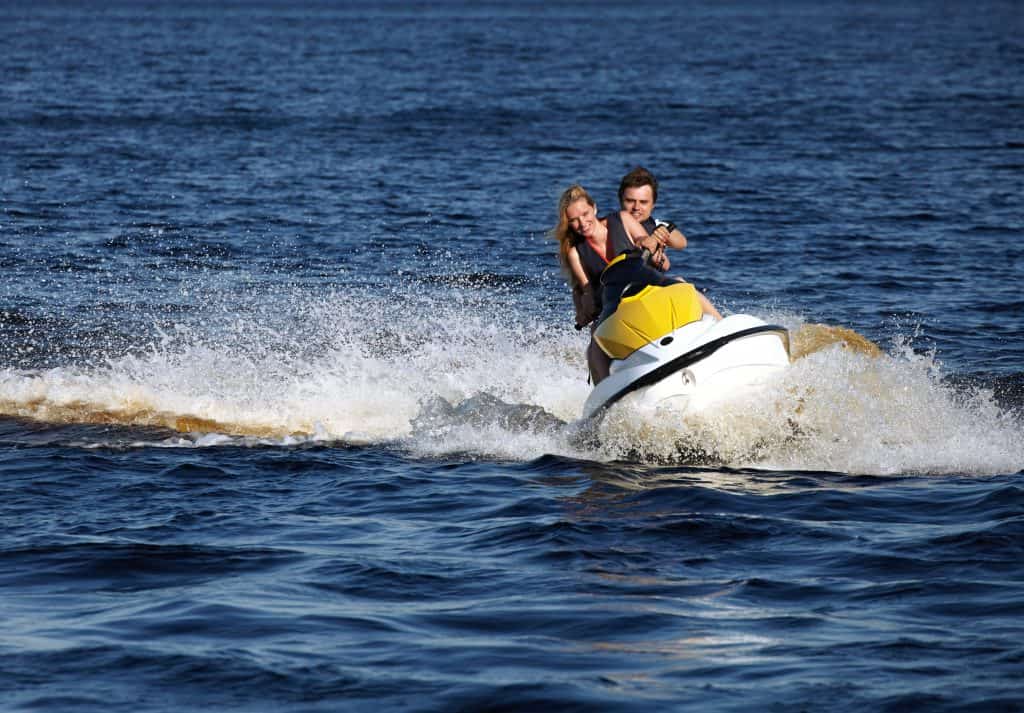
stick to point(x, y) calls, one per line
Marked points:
point(594, 264)
point(631, 272)
point(588, 303)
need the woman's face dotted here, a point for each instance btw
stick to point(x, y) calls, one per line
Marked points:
point(581, 217)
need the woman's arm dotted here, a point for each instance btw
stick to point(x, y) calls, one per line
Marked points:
point(576, 267)
point(638, 234)
point(584, 301)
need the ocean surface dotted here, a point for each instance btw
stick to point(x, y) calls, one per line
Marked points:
point(290, 394)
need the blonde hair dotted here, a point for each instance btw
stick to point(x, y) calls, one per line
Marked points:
point(562, 232)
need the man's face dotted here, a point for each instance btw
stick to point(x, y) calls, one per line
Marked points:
point(638, 202)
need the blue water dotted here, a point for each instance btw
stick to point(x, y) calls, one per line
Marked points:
point(289, 389)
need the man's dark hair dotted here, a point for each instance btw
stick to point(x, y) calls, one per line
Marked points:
point(639, 176)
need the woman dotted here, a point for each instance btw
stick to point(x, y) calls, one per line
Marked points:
point(586, 244)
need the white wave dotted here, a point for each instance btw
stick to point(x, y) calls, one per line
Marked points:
point(839, 410)
point(359, 368)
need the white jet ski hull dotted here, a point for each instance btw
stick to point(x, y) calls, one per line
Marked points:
point(698, 364)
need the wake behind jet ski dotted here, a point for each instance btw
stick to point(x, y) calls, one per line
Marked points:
point(665, 350)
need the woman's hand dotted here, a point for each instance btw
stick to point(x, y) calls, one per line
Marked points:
point(649, 242)
point(660, 260)
point(658, 257)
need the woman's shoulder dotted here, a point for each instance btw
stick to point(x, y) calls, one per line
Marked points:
point(620, 217)
point(627, 219)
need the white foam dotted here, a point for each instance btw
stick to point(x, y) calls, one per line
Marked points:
point(358, 369)
point(837, 410)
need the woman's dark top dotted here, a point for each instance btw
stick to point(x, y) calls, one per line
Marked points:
point(588, 303)
point(595, 263)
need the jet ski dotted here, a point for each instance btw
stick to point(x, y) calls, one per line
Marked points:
point(665, 352)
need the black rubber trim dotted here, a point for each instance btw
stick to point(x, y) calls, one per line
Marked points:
point(684, 360)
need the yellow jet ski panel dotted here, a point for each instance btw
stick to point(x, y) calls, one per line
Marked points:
point(647, 316)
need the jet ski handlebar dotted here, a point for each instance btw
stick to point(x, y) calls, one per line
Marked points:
point(646, 254)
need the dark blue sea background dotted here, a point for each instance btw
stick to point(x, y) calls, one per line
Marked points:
point(290, 393)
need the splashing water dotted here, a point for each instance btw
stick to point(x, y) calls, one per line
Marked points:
point(452, 378)
point(837, 410)
point(351, 367)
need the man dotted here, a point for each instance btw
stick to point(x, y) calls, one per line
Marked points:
point(638, 192)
